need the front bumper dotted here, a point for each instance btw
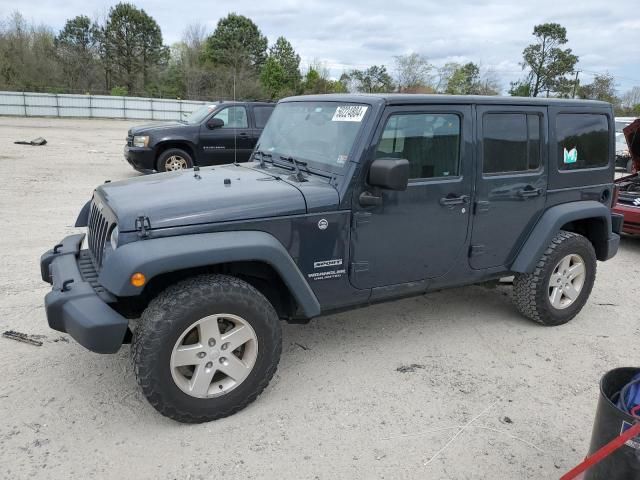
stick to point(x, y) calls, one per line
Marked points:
point(74, 305)
point(141, 159)
point(631, 224)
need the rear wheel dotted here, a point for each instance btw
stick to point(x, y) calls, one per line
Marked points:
point(206, 348)
point(561, 282)
point(174, 159)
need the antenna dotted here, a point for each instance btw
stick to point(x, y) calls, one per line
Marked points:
point(235, 127)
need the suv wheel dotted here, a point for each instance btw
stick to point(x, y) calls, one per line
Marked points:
point(206, 347)
point(560, 285)
point(174, 159)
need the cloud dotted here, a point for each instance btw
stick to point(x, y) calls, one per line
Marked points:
point(360, 33)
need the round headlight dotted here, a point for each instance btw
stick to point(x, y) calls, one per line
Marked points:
point(113, 239)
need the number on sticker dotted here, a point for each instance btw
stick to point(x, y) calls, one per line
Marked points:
point(349, 113)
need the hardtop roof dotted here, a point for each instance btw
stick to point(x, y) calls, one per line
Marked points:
point(420, 99)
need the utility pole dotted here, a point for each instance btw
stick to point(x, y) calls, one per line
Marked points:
point(575, 84)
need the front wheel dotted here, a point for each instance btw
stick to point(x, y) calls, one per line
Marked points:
point(205, 348)
point(174, 159)
point(561, 282)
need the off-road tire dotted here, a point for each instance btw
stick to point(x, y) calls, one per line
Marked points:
point(179, 306)
point(531, 290)
point(162, 158)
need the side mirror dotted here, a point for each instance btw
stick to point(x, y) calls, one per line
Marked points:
point(389, 173)
point(214, 123)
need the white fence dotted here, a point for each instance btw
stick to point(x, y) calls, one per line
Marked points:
point(26, 104)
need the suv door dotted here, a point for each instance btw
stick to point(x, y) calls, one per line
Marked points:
point(418, 233)
point(261, 114)
point(511, 181)
point(232, 141)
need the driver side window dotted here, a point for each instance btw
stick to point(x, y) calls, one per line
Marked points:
point(233, 117)
point(430, 141)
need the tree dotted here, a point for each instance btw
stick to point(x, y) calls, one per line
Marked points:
point(317, 80)
point(414, 73)
point(283, 54)
point(273, 77)
point(548, 64)
point(77, 48)
point(131, 42)
point(601, 88)
point(236, 42)
point(374, 79)
point(468, 79)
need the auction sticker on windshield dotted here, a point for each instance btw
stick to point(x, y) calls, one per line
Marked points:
point(349, 113)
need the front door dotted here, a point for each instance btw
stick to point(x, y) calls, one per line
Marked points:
point(511, 182)
point(418, 233)
point(233, 141)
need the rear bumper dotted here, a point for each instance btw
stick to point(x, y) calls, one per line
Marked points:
point(141, 159)
point(73, 305)
point(631, 223)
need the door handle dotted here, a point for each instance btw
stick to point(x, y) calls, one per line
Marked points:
point(243, 134)
point(529, 191)
point(451, 200)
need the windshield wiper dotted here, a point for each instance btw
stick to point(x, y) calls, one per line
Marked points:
point(296, 167)
point(262, 156)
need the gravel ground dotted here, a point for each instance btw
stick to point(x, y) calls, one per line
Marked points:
point(380, 392)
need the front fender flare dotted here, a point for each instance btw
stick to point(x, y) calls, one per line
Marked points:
point(162, 255)
point(550, 224)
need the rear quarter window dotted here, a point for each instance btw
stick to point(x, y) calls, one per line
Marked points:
point(583, 140)
point(262, 114)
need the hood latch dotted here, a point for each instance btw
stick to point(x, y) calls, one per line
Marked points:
point(143, 225)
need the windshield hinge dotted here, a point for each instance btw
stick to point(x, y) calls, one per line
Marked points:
point(143, 225)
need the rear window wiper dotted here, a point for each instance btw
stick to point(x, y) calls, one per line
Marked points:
point(296, 167)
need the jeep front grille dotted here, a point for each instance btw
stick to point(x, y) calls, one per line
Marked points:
point(97, 231)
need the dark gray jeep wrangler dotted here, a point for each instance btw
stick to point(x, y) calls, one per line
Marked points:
point(349, 200)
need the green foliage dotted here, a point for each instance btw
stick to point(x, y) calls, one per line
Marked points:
point(77, 51)
point(131, 45)
point(466, 79)
point(236, 42)
point(374, 79)
point(119, 91)
point(273, 78)
point(601, 88)
point(547, 62)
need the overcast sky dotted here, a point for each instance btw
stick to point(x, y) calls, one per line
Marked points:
point(344, 35)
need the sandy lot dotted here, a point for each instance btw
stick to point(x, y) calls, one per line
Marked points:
point(338, 407)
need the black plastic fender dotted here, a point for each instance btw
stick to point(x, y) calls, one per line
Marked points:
point(550, 224)
point(83, 216)
point(162, 255)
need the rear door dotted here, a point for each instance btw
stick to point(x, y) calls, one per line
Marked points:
point(511, 181)
point(261, 114)
point(232, 141)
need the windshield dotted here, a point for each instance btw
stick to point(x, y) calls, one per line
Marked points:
point(318, 133)
point(198, 115)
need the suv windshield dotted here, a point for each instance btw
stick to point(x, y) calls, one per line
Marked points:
point(318, 133)
point(198, 115)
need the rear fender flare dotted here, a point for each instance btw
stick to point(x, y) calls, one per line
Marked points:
point(550, 224)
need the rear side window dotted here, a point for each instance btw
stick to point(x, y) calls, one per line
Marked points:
point(583, 140)
point(511, 142)
point(430, 141)
point(262, 114)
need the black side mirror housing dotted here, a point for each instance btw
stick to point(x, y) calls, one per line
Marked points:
point(214, 123)
point(389, 173)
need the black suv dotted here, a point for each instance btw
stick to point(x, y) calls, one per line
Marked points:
point(350, 200)
point(215, 134)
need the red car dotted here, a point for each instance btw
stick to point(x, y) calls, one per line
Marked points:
point(628, 199)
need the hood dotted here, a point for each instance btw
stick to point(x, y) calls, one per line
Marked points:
point(632, 136)
point(221, 194)
point(155, 126)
